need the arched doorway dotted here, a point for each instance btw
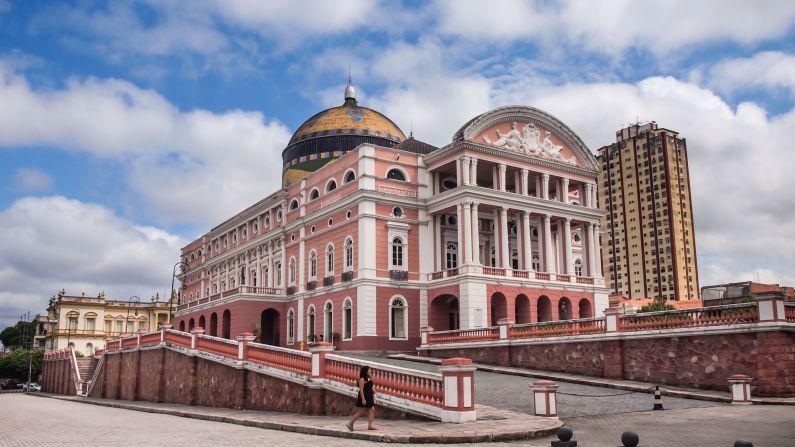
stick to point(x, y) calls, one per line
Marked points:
point(444, 313)
point(499, 308)
point(544, 309)
point(522, 309)
point(585, 308)
point(214, 324)
point(191, 324)
point(269, 322)
point(564, 309)
point(202, 322)
point(226, 325)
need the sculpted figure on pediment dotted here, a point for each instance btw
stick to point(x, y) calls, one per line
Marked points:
point(531, 138)
point(511, 139)
point(552, 150)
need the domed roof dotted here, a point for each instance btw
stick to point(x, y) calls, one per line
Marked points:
point(350, 119)
point(333, 132)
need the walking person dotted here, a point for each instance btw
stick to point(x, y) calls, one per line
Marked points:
point(365, 400)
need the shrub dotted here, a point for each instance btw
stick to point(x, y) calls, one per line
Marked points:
point(659, 306)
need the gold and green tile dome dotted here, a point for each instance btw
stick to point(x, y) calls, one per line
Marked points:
point(333, 132)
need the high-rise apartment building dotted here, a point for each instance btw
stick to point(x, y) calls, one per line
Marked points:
point(649, 246)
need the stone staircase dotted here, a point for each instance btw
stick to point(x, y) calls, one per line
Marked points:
point(86, 367)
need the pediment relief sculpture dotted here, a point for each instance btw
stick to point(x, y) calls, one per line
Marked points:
point(528, 141)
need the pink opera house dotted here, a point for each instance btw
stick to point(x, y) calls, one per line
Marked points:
point(374, 236)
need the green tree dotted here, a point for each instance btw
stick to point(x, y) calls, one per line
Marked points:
point(15, 364)
point(658, 306)
point(12, 336)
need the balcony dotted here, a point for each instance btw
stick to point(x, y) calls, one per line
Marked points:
point(511, 273)
point(241, 290)
point(291, 290)
point(328, 281)
point(311, 285)
point(398, 275)
point(347, 276)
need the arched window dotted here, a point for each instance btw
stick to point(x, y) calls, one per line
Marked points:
point(348, 254)
point(331, 185)
point(292, 271)
point(328, 321)
point(578, 267)
point(397, 318)
point(396, 174)
point(278, 267)
point(314, 195)
point(349, 177)
point(515, 259)
point(293, 204)
point(451, 255)
point(329, 260)
point(290, 326)
point(89, 350)
point(313, 265)
point(347, 322)
point(397, 253)
point(397, 212)
point(243, 276)
point(310, 324)
point(577, 238)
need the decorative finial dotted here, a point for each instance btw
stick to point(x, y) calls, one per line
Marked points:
point(350, 91)
point(411, 129)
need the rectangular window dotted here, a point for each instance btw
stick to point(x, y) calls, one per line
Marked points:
point(90, 324)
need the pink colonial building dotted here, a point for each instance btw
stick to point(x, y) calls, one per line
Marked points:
point(375, 236)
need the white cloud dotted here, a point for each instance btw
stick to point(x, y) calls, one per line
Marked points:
point(32, 180)
point(768, 69)
point(52, 243)
point(612, 27)
point(194, 166)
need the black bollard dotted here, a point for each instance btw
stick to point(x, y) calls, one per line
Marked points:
point(629, 439)
point(564, 435)
point(657, 399)
point(743, 443)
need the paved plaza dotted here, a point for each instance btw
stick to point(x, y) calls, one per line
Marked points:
point(37, 421)
point(509, 392)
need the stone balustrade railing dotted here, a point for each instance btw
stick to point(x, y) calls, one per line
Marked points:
point(447, 396)
point(765, 309)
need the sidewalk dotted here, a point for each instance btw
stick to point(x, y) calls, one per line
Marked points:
point(493, 425)
point(626, 385)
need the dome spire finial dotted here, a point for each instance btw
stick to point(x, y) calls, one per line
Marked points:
point(350, 91)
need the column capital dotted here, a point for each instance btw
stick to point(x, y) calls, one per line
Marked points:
point(526, 214)
point(547, 217)
point(502, 166)
point(545, 176)
point(475, 204)
point(503, 209)
point(465, 159)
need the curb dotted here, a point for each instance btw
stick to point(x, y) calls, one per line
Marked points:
point(319, 431)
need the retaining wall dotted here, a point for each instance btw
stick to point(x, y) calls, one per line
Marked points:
point(697, 360)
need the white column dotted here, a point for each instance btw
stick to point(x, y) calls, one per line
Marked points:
point(475, 233)
point(495, 178)
point(528, 241)
point(460, 233)
point(545, 186)
point(567, 245)
point(502, 168)
point(591, 249)
point(467, 211)
point(548, 259)
point(437, 243)
point(506, 255)
point(283, 269)
point(495, 240)
point(473, 176)
point(458, 177)
point(465, 170)
point(517, 189)
point(564, 194)
point(538, 185)
point(525, 186)
point(598, 250)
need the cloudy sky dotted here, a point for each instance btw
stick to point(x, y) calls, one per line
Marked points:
point(129, 128)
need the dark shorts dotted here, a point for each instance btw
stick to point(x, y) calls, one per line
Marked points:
point(369, 402)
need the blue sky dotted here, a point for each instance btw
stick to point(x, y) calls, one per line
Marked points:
point(128, 128)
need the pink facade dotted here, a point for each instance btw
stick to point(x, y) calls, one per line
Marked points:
point(383, 241)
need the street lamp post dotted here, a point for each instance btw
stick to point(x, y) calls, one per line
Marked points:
point(129, 303)
point(171, 297)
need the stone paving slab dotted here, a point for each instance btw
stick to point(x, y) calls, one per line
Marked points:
point(493, 425)
point(626, 385)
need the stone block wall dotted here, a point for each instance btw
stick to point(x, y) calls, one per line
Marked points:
point(696, 361)
point(58, 377)
point(164, 375)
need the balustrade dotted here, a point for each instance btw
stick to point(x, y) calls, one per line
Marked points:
point(152, 338)
point(289, 359)
point(701, 317)
point(217, 345)
point(558, 328)
point(465, 335)
point(789, 312)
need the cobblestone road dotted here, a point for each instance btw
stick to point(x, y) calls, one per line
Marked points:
point(513, 393)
